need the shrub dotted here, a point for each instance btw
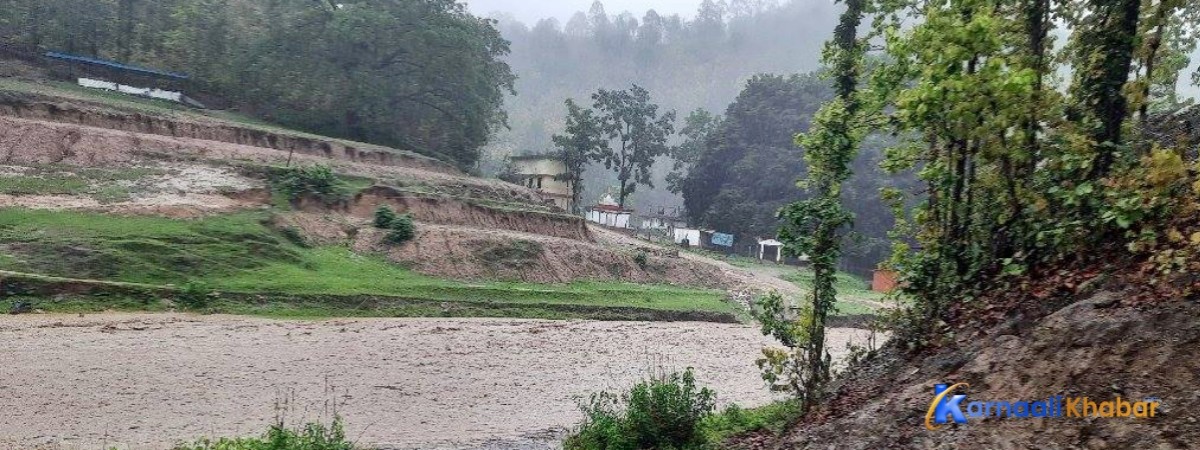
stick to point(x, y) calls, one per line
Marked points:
point(319, 181)
point(401, 230)
point(314, 436)
point(641, 259)
point(196, 295)
point(384, 216)
point(661, 412)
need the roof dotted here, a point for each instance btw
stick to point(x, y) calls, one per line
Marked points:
point(116, 65)
point(610, 208)
point(534, 157)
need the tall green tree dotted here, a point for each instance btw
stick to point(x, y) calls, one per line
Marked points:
point(637, 133)
point(581, 141)
point(1104, 45)
point(812, 226)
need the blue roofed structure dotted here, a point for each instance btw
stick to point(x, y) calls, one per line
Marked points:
point(116, 65)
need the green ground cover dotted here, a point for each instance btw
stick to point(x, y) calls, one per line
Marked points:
point(237, 254)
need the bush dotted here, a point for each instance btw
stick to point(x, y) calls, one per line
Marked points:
point(384, 216)
point(319, 181)
point(401, 230)
point(314, 436)
point(641, 259)
point(196, 295)
point(658, 413)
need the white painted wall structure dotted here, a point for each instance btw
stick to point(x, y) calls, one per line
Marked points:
point(132, 90)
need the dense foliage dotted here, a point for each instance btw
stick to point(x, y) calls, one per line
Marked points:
point(664, 411)
point(1025, 173)
point(421, 75)
point(746, 166)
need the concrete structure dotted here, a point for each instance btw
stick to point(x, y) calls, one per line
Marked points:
point(686, 234)
point(662, 219)
point(609, 214)
point(132, 90)
point(775, 251)
point(537, 172)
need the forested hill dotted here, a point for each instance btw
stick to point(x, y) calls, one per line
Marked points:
point(419, 75)
point(703, 62)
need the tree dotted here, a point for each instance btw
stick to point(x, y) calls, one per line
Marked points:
point(749, 165)
point(637, 134)
point(813, 225)
point(1104, 45)
point(698, 128)
point(582, 141)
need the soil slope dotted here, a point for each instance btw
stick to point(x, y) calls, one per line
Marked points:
point(1094, 348)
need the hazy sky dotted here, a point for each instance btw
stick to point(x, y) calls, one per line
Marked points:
point(529, 11)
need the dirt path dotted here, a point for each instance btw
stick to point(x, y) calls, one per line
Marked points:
point(147, 381)
point(758, 279)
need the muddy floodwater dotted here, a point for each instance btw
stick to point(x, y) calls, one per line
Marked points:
point(149, 381)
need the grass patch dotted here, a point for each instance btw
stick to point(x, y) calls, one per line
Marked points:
point(735, 421)
point(104, 185)
point(241, 257)
point(338, 271)
point(854, 297)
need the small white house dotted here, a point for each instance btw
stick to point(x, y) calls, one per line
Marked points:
point(692, 236)
point(610, 214)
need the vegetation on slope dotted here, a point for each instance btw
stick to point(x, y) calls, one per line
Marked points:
point(420, 75)
point(238, 256)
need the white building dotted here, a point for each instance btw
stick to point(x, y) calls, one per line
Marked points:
point(609, 213)
point(539, 172)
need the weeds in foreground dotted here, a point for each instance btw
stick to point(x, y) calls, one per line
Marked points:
point(313, 436)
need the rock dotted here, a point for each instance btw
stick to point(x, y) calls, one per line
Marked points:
point(20, 308)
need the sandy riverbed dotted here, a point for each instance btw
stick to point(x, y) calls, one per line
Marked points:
point(148, 381)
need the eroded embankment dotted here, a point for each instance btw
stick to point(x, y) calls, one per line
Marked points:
point(39, 107)
point(35, 143)
point(1094, 348)
point(491, 253)
point(447, 210)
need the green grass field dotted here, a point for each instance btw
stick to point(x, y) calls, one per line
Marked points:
point(853, 295)
point(238, 254)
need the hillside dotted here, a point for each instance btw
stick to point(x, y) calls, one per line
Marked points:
point(119, 189)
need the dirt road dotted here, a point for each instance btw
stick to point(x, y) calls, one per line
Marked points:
point(148, 381)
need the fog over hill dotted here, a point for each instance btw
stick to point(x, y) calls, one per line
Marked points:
point(697, 59)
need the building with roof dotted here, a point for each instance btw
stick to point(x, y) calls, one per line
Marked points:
point(608, 213)
point(540, 173)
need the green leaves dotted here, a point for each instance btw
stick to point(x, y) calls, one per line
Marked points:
point(637, 135)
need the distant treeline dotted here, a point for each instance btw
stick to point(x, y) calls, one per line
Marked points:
point(702, 62)
point(422, 75)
